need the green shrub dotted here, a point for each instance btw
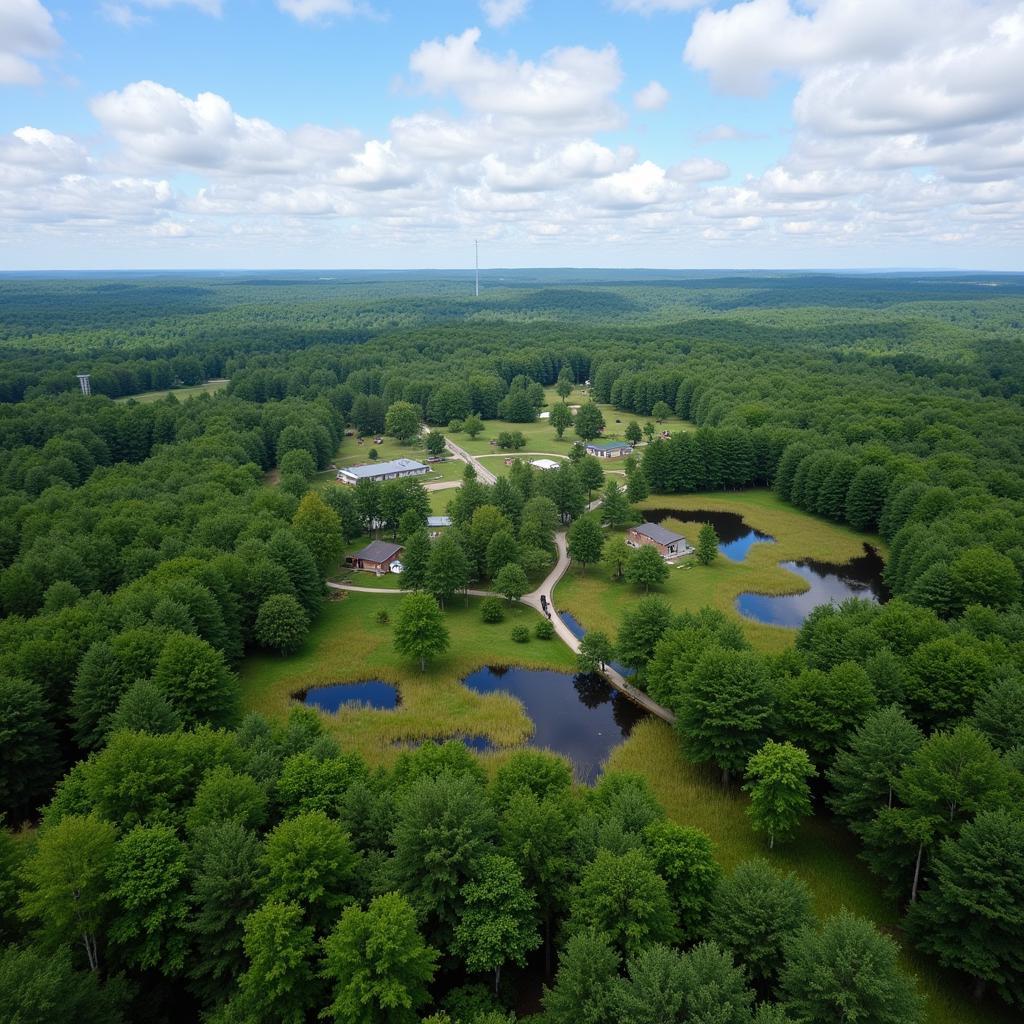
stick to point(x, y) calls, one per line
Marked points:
point(521, 634)
point(491, 610)
point(545, 630)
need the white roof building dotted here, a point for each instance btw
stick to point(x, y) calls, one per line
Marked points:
point(544, 464)
point(393, 470)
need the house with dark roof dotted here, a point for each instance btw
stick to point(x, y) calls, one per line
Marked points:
point(377, 557)
point(669, 543)
point(610, 449)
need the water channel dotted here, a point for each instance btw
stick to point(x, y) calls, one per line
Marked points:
point(829, 583)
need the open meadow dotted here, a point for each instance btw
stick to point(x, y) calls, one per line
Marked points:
point(596, 600)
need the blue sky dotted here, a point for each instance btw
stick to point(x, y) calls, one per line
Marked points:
point(263, 133)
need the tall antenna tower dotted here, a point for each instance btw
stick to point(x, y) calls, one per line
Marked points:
point(476, 255)
point(84, 384)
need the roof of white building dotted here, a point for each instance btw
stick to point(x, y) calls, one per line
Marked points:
point(372, 469)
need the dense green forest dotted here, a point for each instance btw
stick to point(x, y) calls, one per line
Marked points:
point(169, 856)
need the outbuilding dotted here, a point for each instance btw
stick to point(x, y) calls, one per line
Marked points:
point(378, 557)
point(544, 464)
point(668, 543)
point(610, 449)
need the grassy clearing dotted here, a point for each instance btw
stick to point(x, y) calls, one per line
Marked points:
point(596, 600)
point(439, 500)
point(822, 854)
point(540, 435)
point(347, 644)
point(352, 453)
point(209, 388)
point(496, 463)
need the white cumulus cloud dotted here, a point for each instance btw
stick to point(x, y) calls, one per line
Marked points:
point(26, 34)
point(653, 96)
point(322, 10)
point(500, 13)
point(158, 125)
point(567, 86)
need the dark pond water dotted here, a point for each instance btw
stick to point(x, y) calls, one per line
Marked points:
point(372, 692)
point(582, 717)
point(481, 744)
point(861, 577)
point(735, 536)
point(578, 631)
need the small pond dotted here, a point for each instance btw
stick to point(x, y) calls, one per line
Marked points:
point(374, 693)
point(829, 582)
point(578, 631)
point(735, 536)
point(582, 717)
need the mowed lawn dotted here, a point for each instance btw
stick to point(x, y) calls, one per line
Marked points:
point(541, 437)
point(351, 453)
point(348, 644)
point(597, 601)
point(209, 388)
point(822, 854)
point(614, 468)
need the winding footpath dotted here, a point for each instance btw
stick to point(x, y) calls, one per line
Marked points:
point(532, 599)
point(566, 635)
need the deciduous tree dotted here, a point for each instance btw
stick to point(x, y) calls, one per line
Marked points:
point(448, 568)
point(318, 526)
point(279, 984)
point(66, 887)
point(419, 630)
point(643, 625)
point(780, 796)
point(755, 911)
point(402, 421)
point(282, 624)
point(624, 897)
point(971, 916)
point(589, 421)
point(511, 582)
point(819, 985)
point(308, 860)
point(147, 885)
point(724, 706)
point(586, 986)
point(863, 774)
point(685, 858)
point(497, 924)
point(646, 568)
point(585, 541)
point(596, 650)
point(560, 418)
point(377, 964)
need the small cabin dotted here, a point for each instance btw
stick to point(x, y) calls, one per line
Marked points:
point(378, 557)
point(668, 543)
